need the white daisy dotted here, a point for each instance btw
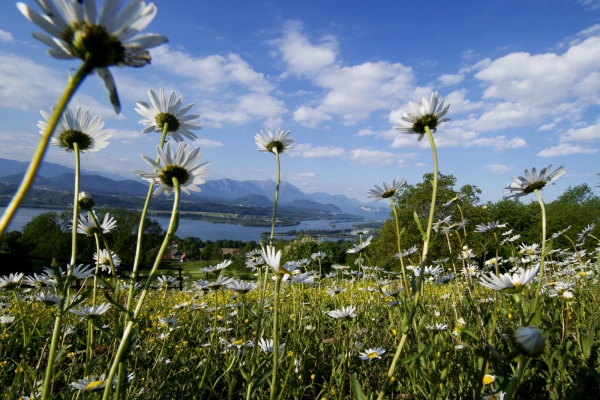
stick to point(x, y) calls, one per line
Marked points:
point(427, 113)
point(90, 384)
point(356, 248)
point(217, 267)
point(11, 281)
point(269, 143)
point(169, 112)
point(344, 313)
point(529, 339)
point(371, 354)
point(437, 327)
point(514, 282)
point(91, 312)
point(266, 346)
point(320, 255)
point(87, 226)
point(273, 260)
point(74, 29)
point(241, 286)
point(387, 191)
point(489, 227)
point(522, 186)
point(77, 127)
point(166, 280)
point(104, 262)
point(182, 164)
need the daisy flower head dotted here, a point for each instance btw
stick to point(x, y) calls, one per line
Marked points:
point(87, 226)
point(344, 313)
point(278, 143)
point(512, 283)
point(75, 29)
point(170, 112)
point(529, 339)
point(522, 186)
point(181, 164)
point(371, 354)
point(77, 127)
point(104, 262)
point(91, 311)
point(85, 201)
point(387, 191)
point(489, 227)
point(9, 282)
point(494, 396)
point(90, 384)
point(428, 113)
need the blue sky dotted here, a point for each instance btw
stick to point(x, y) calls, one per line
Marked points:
point(522, 77)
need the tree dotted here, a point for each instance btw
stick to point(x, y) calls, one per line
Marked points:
point(417, 199)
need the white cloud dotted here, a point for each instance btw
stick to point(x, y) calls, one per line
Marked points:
point(372, 157)
point(352, 93)
point(498, 168)
point(565, 149)
point(310, 117)
point(300, 55)
point(542, 80)
point(301, 176)
point(587, 134)
point(499, 143)
point(210, 73)
point(307, 151)
point(458, 102)
point(125, 134)
point(451, 79)
point(6, 36)
point(29, 86)
point(207, 143)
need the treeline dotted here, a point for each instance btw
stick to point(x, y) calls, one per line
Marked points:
point(577, 207)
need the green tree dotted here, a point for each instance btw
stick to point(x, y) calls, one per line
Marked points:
point(417, 198)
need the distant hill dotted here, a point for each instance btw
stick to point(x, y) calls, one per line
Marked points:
point(47, 169)
point(312, 205)
point(91, 184)
point(251, 193)
point(230, 189)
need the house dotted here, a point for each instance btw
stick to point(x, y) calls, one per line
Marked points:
point(176, 255)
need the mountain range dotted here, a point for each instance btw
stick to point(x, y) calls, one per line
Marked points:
point(244, 193)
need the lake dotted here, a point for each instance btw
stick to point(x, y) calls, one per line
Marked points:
point(202, 229)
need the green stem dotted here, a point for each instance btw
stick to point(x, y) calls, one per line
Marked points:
point(173, 223)
point(75, 206)
point(543, 255)
point(275, 338)
point(40, 150)
point(277, 179)
point(138, 245)
point(405, 280)
point(434, 192)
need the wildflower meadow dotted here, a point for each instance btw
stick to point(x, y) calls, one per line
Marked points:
point(432, 306)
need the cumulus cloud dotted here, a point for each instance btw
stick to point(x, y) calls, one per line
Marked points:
point(6, 36)
point(451, 79)
point(207, 143)
point(589, 133)
point(307, 151)
point(310, 117)
point(498, 168)
point(26, 85)
point(350, 93)
point(565, 149)
point(301, 56)
point(372, 157)
point(232, 91)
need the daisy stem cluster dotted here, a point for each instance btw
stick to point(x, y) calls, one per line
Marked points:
point(125, 339)
point(40, 150)
point(140, 235)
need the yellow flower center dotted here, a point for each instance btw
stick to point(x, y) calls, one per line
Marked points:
point(238, 342)
point(372, 354)
point(487, 379)
point(94, 385)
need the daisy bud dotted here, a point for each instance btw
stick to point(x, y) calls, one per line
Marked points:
point(85, 201)
point(530, 340)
